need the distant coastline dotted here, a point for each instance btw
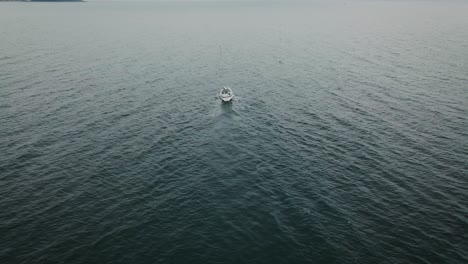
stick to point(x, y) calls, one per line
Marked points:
point(41, 1)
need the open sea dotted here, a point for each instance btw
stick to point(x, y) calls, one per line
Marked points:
point(347, 141)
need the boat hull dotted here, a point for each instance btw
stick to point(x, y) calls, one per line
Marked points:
point(227, 99)
point(226, 94)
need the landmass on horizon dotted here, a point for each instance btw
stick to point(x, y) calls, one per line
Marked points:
point(41, 1)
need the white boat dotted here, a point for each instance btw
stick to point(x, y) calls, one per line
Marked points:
point(226, 94)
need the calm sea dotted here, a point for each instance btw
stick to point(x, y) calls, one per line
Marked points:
point(347, 141)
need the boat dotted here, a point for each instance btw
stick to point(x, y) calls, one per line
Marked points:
point(226, 94)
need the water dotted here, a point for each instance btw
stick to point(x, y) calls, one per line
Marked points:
point(347, 143)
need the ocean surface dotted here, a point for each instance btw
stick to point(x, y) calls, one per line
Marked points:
point(347, 141)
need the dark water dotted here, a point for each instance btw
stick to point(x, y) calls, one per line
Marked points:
point(347, 143)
